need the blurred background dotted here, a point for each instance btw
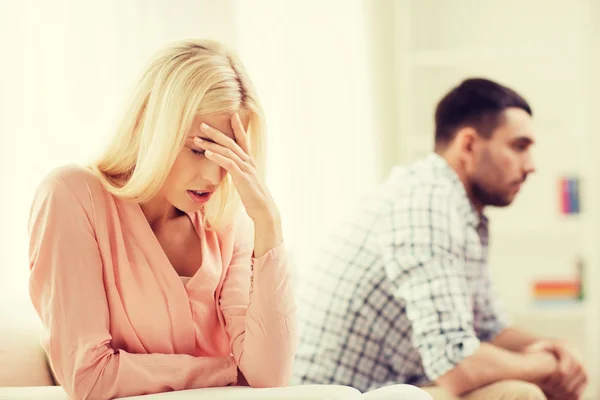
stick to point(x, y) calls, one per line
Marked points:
point(349, 88)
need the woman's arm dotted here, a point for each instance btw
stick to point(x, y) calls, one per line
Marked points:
point(258, 303)
point(260, 317)
point(67, 290)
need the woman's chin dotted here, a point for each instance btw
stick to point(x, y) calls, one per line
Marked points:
point(193, 208)
point(188, 207)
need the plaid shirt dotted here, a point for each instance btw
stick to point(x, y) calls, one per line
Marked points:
point(402, 291)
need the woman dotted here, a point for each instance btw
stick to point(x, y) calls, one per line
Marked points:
point(145, 270)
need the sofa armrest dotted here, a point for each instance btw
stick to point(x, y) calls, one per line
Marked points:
point(33, 393)
point(22, 359)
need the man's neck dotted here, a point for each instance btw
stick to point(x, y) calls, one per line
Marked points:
point(455, 164)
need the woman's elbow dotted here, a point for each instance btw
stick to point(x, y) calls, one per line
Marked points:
point(91, 382)
point(271, 377)
point(82, 390)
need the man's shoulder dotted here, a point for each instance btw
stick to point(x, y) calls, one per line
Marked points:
point(424, 188)
point(421, 182)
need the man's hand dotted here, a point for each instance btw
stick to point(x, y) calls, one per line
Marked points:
point(569, 380)
point(490, 364)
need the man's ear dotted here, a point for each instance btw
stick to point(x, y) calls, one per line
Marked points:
point(465, 140)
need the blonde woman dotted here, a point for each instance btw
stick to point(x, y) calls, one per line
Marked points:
point(148, 274)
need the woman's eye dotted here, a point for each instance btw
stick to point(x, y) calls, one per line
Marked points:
point(197, 152)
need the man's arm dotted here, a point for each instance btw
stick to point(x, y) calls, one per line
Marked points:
point(570, 376)
point(513, 339)
point(422, 241)
point(491, 364)
point(492, 325)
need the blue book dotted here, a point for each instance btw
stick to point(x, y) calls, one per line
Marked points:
point(573, 185)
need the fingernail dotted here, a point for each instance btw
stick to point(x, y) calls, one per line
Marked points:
point(208, 152)
point(204, 127)
point(198, 140)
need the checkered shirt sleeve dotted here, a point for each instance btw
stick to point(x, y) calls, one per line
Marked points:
point(490, 315)
point(423, 244)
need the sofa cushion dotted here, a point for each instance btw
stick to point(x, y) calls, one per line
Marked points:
point(22, 359)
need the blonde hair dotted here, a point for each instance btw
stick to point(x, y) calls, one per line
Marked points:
point(185, 79)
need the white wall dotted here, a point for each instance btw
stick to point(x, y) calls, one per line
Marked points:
point(311, 61)
point(66, 68)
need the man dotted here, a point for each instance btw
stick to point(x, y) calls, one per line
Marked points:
point(402, 293)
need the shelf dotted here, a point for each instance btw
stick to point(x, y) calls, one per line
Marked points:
point(558, 310)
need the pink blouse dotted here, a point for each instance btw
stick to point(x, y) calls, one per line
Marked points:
point(120, 321)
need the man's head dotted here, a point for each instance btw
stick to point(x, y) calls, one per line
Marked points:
point(484, 130)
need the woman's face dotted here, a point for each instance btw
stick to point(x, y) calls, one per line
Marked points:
point(194, 178)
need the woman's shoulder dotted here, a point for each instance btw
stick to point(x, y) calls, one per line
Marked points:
point(70, 180)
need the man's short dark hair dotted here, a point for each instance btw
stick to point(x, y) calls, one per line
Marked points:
point(476, 102)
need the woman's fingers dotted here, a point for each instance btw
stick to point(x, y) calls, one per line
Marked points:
point(222, 151)
point(220, 138)
point(227, 163)
point(241, 137)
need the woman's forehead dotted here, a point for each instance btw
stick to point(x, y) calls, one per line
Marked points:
point(222, 122)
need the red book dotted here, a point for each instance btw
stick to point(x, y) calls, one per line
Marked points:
point(565, 198)
point(555, 284)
